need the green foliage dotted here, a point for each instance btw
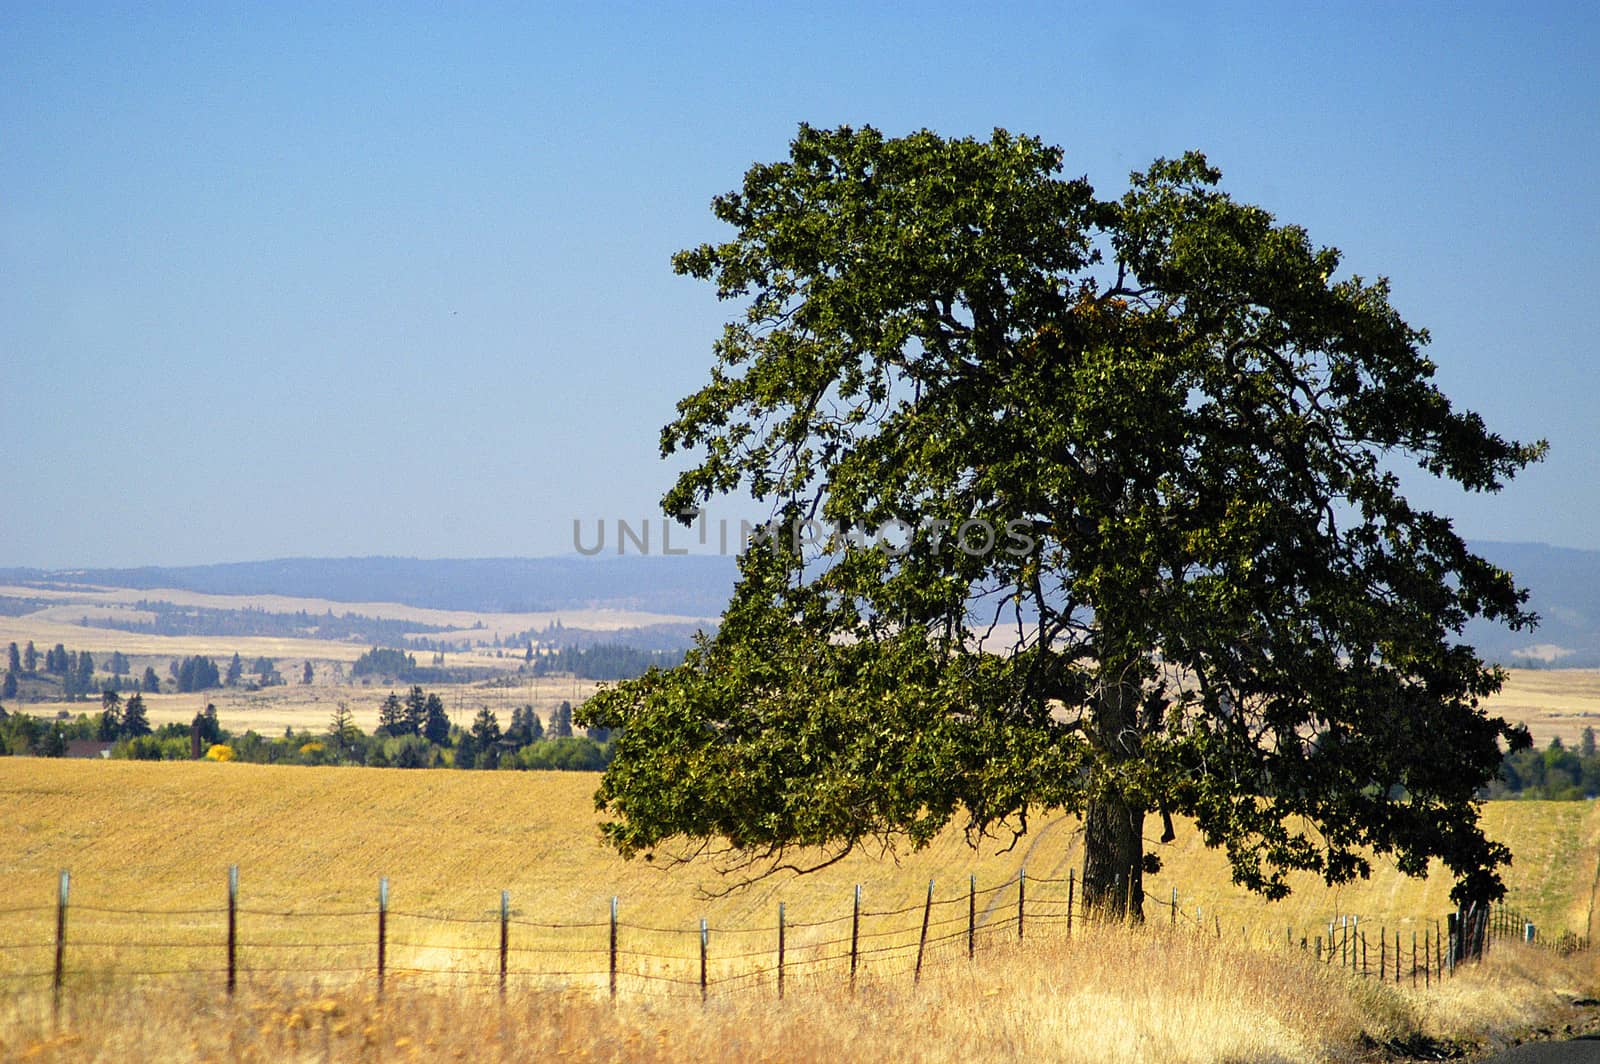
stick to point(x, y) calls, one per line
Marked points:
point(10, 685)
point(603, 661)
point(379, 662)
point(151, 684)
point(1202, 591)
point(197, 673)
point(135, 722)
point(560, 726)
point(575, 754)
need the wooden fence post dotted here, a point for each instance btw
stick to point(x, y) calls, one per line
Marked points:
point(1397, 958)
point(922, 941)
point(1363, 953)
point(780, 950)
point(972, 916)
point(1128, 913)
point(505, 936)
point(233, 926)
point(1383, 954)
point(1172, 920)
point(855, 935)
point(703, 936)
point(1413, 958)
point(613, 950)
point(1022, 893)
point(1071, 890)
point(1427, 959)
point(61, 944)
point(383, 927)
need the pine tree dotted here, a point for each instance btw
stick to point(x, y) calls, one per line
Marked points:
point(561, 722)
point(134, 720)
point(9, 690)
point(392, 716)
point(110, 717)
point(235, 670)
point(416, 711)
point(13, 659)
point(435, 724)
point(151, 683)
point(30, 659)
point(305, 674)
point(486, 735)
point(342, 731)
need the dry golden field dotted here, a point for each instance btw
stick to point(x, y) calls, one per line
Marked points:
point(158, 837)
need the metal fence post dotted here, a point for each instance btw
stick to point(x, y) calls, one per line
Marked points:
point(922, 942)
point(505, 936)
point(780, 950)
point(613, 947)
point(61, 945)
point(233, 935)
point(383, 927)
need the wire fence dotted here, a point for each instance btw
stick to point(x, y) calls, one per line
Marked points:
point(65, 946)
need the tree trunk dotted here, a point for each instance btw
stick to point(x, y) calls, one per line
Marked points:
point(1113, 851)
point(1113, 827)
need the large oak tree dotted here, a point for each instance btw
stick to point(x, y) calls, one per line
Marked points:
point(1118, 526)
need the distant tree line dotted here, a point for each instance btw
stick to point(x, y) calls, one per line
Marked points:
point(170, 619)
point(603, 661)
point(1557, 772)
point(414, 731)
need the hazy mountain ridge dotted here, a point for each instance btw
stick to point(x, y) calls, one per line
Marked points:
point(693, 586)
point(1564, 585)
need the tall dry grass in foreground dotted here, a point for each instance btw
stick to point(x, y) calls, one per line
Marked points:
point(1108, 994)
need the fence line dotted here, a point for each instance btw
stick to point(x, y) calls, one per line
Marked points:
point(629, 956)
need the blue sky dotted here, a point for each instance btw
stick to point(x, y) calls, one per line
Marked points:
point(288, 280)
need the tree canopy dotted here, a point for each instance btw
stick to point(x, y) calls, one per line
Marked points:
point(1080, 503)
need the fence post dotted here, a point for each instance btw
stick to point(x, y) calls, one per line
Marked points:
point(780, 950)
point(1413, 958)
point(1172, 920)
point(922, 941)
point(1128, 912)
point(1427, 957)
point(383, 926)
point(233, 936)
point(1383, 954)
point(972, 915)
point(1397, 957)
point(1319, 949)
point(1022, 893)
point(61, 944)
point(613, 950)
point(1071, 890)
point(855, 936)
point(505, 936)
point(1363, 954)
point(703, 936)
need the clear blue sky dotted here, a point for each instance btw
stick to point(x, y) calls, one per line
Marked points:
point(276, 280)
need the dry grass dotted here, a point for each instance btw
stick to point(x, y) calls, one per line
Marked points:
point(160, 835)
point(1109, 995)
point(1553, 703)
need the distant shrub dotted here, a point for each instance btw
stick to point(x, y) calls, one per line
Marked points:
point(219, 752)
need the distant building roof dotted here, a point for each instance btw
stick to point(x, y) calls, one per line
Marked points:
point(88, 748)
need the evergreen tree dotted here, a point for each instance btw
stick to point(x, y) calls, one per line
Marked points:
point(55, 742)
point(134, 720)
point(435, 724)
point(560, 722)
point(119, 663)
point(85, 670)
point(466, 751)
point(486, 736)
point(305, 674)
point(392, 716)
point(151, 683)
point(342, 731)
point(235, 670)
point(416, 711)
point(1586, 744)
point(13, 659)
point(30, 659)
point(110, 726)
point(210, 727)
point(10, 688)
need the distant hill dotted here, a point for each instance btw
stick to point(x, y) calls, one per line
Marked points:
point(689, 585)
point(1565, 586)
point(1564, 590)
